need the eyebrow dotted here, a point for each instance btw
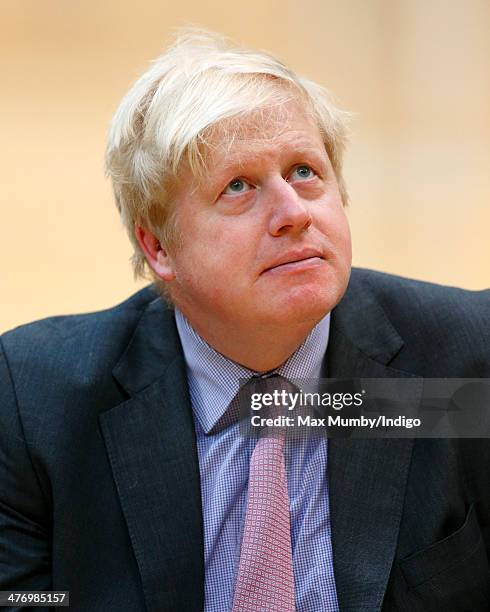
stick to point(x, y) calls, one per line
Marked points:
point(239, 162)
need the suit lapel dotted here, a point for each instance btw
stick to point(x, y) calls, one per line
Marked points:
point(151, 445)
point(367, 478)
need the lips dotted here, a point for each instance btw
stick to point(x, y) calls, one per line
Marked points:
point(293, 257)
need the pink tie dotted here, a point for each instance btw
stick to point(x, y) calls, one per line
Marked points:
point(265, 574)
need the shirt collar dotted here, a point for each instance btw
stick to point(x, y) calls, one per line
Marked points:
point(214, 379)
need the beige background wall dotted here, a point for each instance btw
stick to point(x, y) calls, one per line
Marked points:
point(416, 72)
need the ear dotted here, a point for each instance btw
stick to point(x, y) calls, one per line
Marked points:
point(156, 255)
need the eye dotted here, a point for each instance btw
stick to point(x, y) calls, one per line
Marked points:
point(302, 173)
point(237, 186)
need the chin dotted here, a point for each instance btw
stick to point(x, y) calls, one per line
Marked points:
point(304, 304)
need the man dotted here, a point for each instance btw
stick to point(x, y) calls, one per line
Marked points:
point(124, 477)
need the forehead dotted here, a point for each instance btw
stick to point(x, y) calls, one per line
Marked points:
point(264, 133)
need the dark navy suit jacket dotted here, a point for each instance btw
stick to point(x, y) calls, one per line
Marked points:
point(99, 475)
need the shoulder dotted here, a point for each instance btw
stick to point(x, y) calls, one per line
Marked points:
point(53, 333)
point(423, 299)
point(439, 325)
point(74, 349)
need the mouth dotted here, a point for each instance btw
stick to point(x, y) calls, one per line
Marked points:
point(296, 261)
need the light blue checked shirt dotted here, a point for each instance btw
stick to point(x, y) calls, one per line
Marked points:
point(224, 459)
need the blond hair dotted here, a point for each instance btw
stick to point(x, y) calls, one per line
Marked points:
point(163, 120)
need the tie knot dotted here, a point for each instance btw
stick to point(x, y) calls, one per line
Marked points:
point(259, 398)
point(270, 398)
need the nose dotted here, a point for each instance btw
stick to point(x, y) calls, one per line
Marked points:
point(288, 212)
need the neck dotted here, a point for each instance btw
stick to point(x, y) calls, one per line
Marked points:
point(257, 347)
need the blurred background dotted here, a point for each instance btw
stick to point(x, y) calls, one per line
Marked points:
point(416, 73)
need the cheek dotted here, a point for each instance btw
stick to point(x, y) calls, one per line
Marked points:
point(334, 225)
point(231, 245)
point(212, 258)
point(346, 240)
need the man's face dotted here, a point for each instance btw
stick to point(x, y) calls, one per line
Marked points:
point(265, 237)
